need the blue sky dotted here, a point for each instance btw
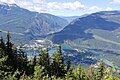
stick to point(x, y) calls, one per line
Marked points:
point(67, 7)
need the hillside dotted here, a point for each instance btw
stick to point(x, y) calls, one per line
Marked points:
point(79, 28)
point(97, 33)
point(24, 24)
point(105, 24)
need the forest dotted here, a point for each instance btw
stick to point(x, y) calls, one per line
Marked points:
point(15, 65)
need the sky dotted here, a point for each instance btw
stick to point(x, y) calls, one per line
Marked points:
point(67, 7)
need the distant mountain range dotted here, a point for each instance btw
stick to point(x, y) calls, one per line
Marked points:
point(26, 25)
point(71, 18)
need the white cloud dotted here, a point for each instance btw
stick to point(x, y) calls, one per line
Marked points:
point(95, 8)
point(54, 5)
point(43, 6)
point(25, 3)
point(109, 9)
point(34, 5)
point(67, 5)
point(8, 1)
point(115, 2)
point(38, 1)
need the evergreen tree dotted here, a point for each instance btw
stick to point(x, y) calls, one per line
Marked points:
point(91, 73)
point(58, 64)
point(22, 60)
point(44, 60)
point(31, 66)
point(39, 72)
point(2, 44)
point(68, 65)
point(3, 67)
point(11, 53)
point(69, 75)
point(80, 74)
point(100, 71)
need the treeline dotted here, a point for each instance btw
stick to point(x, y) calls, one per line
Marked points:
point(15, 65)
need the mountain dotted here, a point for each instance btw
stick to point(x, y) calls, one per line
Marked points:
point(26, 25)
point(71, 18)
point(83, 27)
point(98, 33)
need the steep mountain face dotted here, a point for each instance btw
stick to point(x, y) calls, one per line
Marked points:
point(81, 27)
point(26, 24)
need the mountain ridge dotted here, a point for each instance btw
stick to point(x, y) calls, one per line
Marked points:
point(94, 21)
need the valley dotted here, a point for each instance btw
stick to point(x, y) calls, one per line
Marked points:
point(85, 39)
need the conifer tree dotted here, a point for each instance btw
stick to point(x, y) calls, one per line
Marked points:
point(11, 53)
point(2, 44)
point(80, 74)
point(44, 60)
point(58, 65)
point(39, 72)
point(68, 65)
point(22, 59)
point(69, 75)
point(31, 66)
point(91, 73)
point(100, 71)
point(3, 67)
